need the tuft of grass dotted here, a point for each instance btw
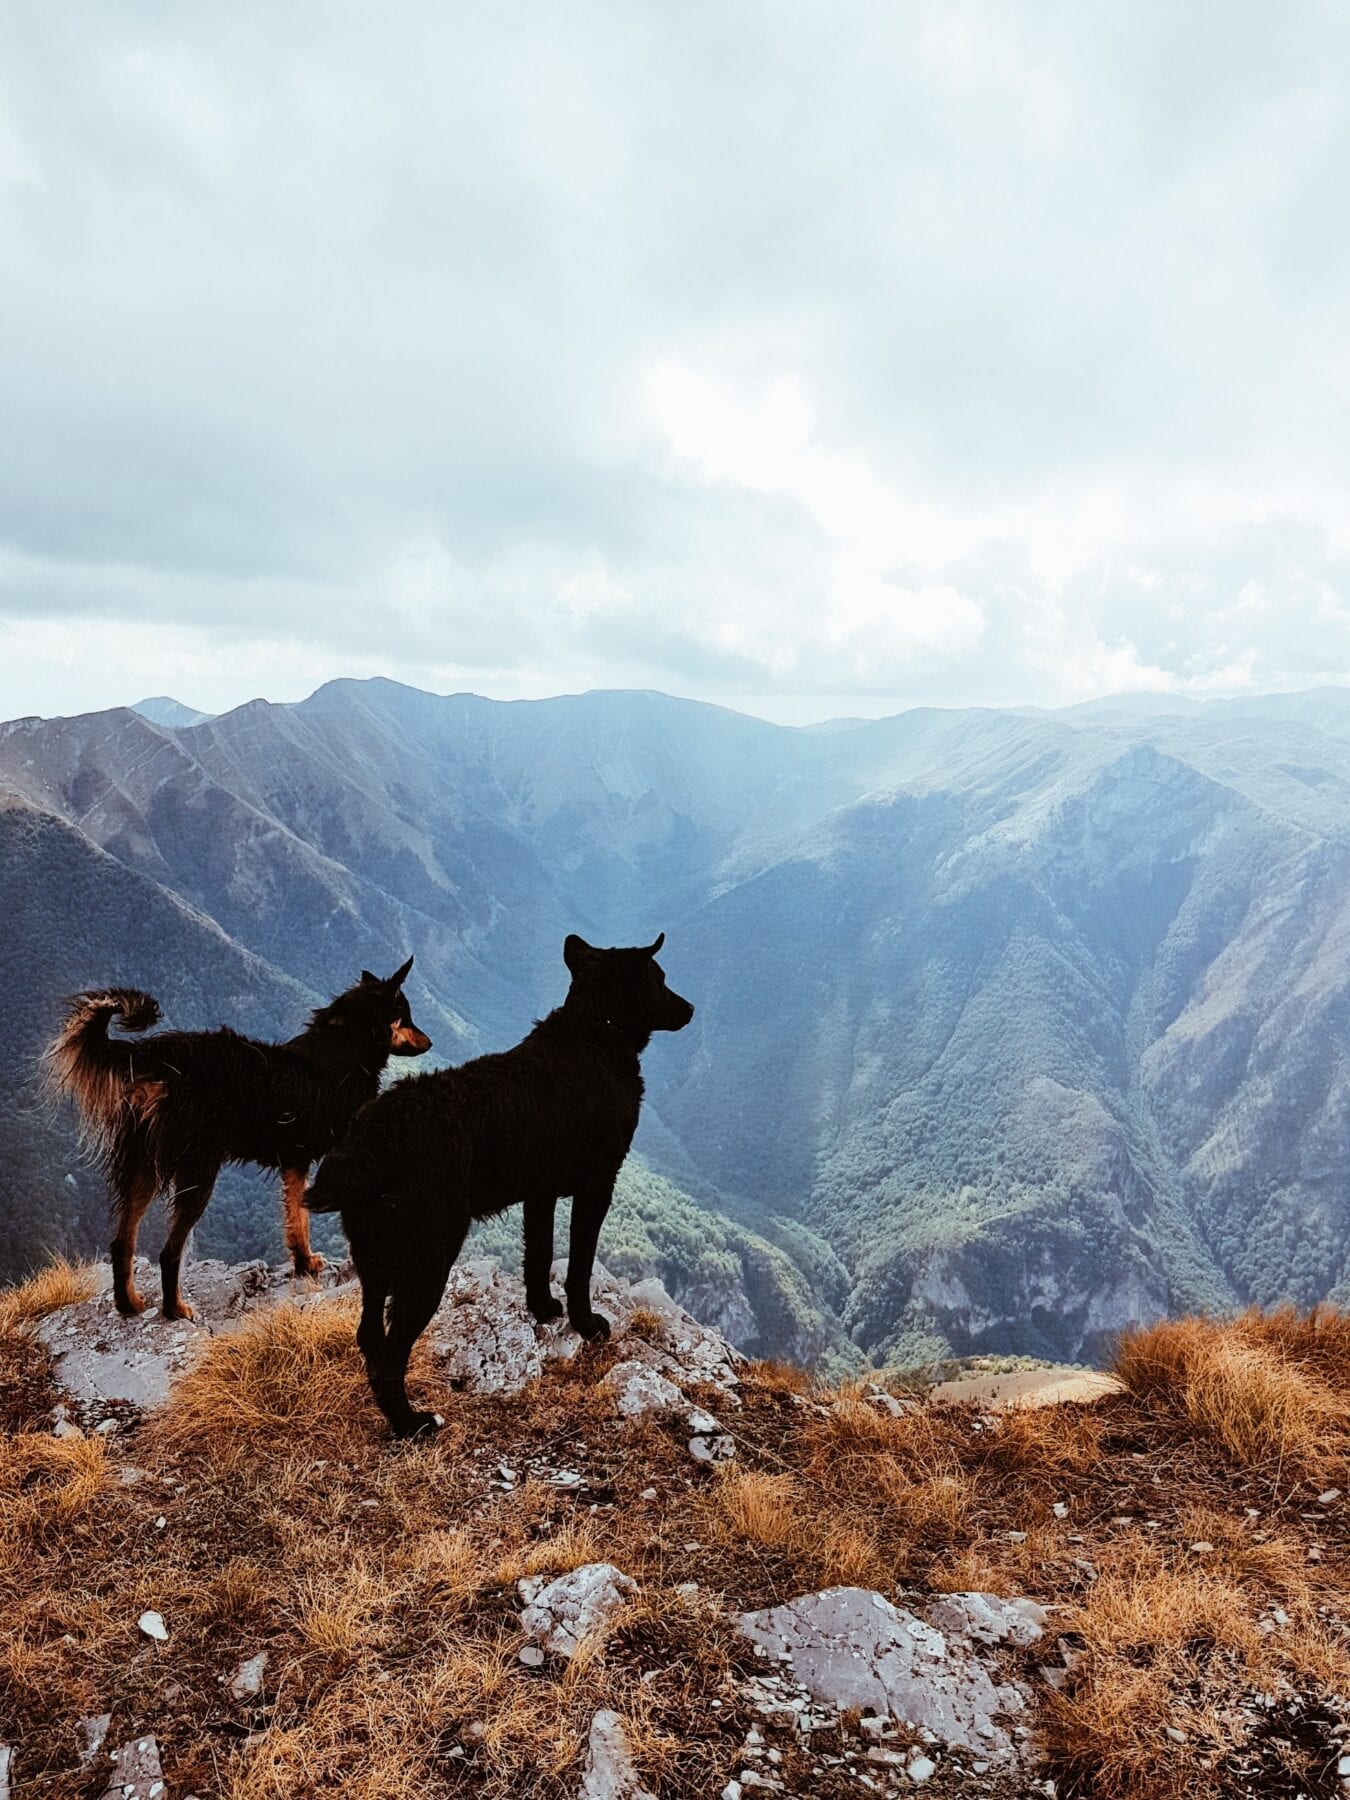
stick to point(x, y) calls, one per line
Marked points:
point(45, 1483)
point(287, 1375)
point(1047, 1442)
point(647, 1324)
point(760, 1507)
point(775, 1377)
point(60, 1284)
point(1238, 1383)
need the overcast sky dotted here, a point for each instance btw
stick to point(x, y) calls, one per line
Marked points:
point(813, 359)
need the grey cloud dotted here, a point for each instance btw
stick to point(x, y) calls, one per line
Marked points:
point(291, 295)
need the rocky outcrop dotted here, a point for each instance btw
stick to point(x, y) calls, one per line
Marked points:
point(850, 1647)
point(482, 1336)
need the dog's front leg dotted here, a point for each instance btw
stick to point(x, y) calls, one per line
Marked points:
point(539, 1259)
point(589, 1206)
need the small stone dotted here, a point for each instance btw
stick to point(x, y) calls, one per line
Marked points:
point(647, 1494)
point(90, 1734)
point(1014, 1537)
point(1060, 1509)
point(1314, 1554)
point(531, 1655)
point(712, 1449)
point(922, 1769)
point(1176, 1734)
point(1329, 1497)
point(152, 1624)
point(6, 1770)
point(107, 1427)
point(886, 1759)
point(65, 1428)
point(248, 1677)
point(1202, 1548)
point(137, 1775)
point(1343, 1768)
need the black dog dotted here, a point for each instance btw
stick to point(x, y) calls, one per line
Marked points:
point(554, 1116)
point(167, 1111)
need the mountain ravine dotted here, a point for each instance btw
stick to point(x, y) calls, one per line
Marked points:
point(1013, 1028)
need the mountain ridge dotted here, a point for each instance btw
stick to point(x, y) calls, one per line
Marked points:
point(1015, 1012)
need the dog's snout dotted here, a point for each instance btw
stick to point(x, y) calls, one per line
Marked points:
point(680, 1013)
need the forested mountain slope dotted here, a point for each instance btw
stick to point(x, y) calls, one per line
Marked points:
point(1036, 1019)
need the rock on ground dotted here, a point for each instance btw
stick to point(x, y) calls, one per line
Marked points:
point(482, 1334)
point(90, 1734)
point(489, 1343)
point(988, 1619)
point(560, 1613)
point(610, 1774)
point(638, 1389)
point(99, 1357)
point(136, 1774)
point(851, 1648)
point(248, 1677)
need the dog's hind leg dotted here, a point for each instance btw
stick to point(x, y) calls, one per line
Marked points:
point(304, 1260)
point(134, 1187)
point(539, 1259)
point(192, 1187)
point(374, 1292)
point(416, 1293)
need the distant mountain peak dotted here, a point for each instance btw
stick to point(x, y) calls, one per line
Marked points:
point(163, 709)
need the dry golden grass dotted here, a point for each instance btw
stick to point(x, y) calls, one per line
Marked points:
point(60, 1284)
point(286, 1376)
point(1319, 1339)
point(645, 1323)
point(381, 1578)
point(760, 1507)
point(1250, 1384)
point(1164, 1646)
point(1047, 1441)
point(774, 1377)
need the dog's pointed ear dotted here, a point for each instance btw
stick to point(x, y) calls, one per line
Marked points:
point(576, 951)
point(399, 976)
point(369, 980)
point(653, 948)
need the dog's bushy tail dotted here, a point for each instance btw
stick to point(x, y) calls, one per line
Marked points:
point(92, 1068)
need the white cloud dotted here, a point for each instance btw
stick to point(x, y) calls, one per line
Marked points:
point(936, 353)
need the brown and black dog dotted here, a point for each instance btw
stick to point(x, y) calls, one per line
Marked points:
point(166, 1111)
point(553, 1116)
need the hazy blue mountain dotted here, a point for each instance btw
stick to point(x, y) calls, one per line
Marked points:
point(1013, 1026)
point(162, 709)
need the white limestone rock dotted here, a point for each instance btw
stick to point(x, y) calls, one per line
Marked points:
point(850, 1647)
point(560, 1612)
point(640, 1389)
point(988, 1619)
point(136, 1774)
point(610, 1774)
point(247, 1681)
